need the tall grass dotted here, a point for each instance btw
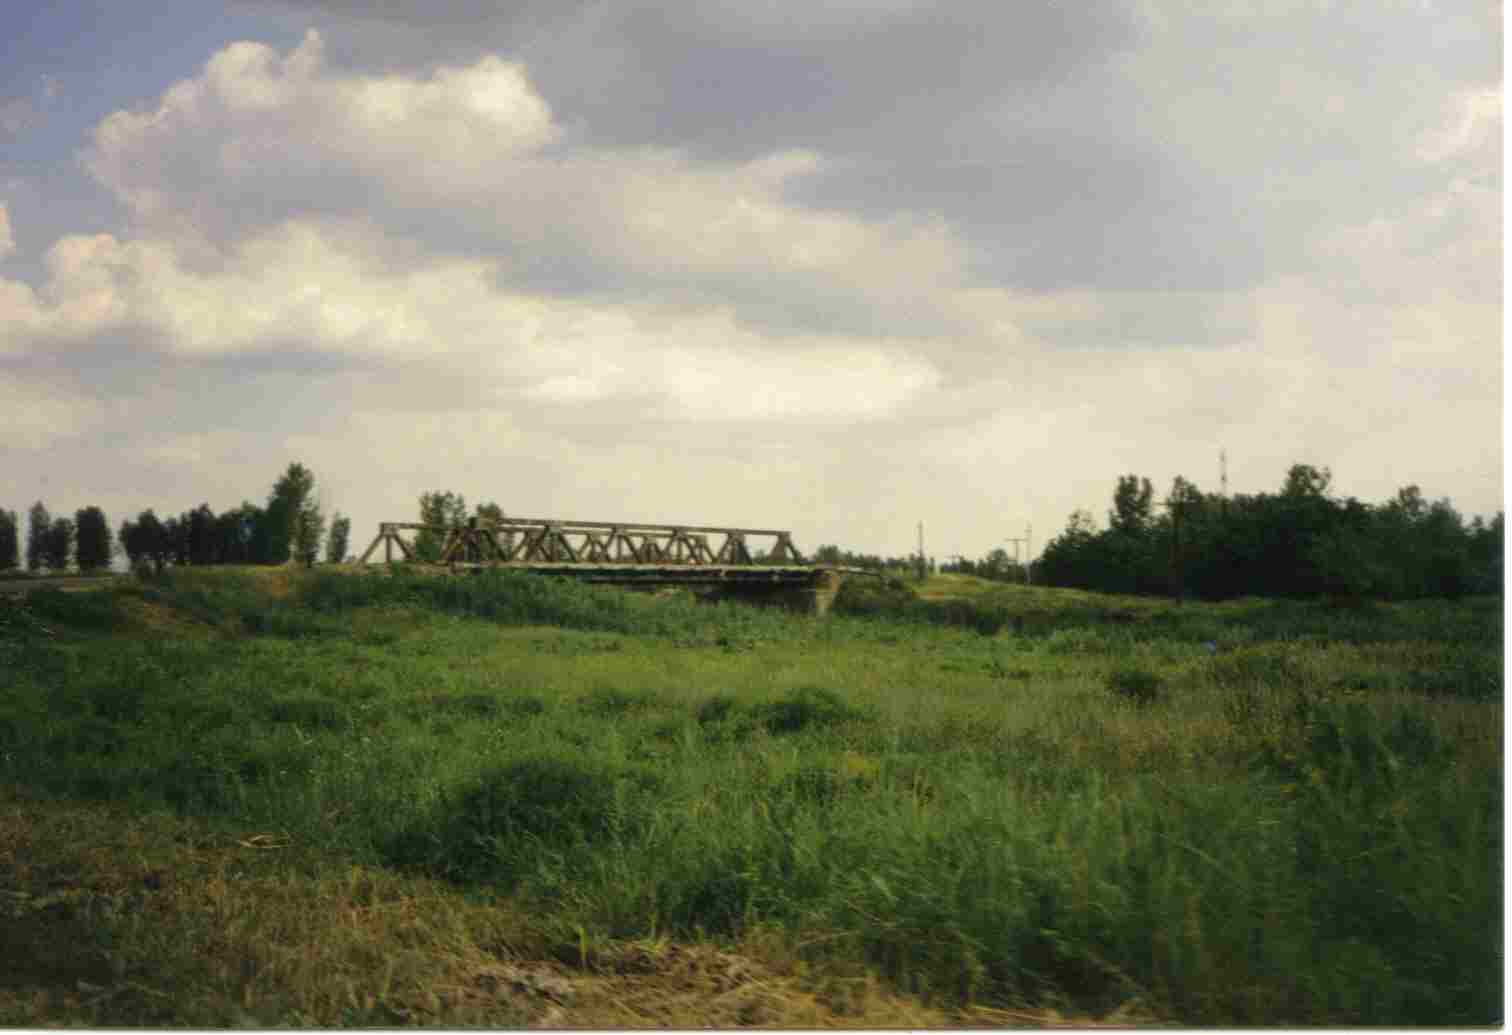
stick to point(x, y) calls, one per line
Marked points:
point(1231, 814)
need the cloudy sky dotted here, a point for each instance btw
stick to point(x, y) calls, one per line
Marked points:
point(838, 266)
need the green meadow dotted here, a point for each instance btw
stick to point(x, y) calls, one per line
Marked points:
point(323, 798)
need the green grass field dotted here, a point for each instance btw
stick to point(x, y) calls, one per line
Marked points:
point(335, 799)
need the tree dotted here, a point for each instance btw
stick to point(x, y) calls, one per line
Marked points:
point(309, 529)
point(1133, 505)
point(438, 511)
point(1307, 480)
point(199, 531)
point(94, 546)
point(489, 513)
point(10, 541)
point(38, 521)
point(145, 541)
point(293, 523)
point(996, 565)
point(57, 544)
point(236, 534)
point(336, 545)
point(176, 539)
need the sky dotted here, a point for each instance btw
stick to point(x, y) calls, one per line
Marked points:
point(838, 267)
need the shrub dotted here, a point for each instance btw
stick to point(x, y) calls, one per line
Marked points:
point(519, 814)
point(805, 708)
point(1135, 684)
point(860, 595)
point(94, 610)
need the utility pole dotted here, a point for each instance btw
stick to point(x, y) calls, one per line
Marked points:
point(921, 551)
point(1015, 543)
point(1028, 552)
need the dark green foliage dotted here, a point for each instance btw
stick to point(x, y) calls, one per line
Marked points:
point(1133, 505)
point(807, 708)
point(38, 521)
point(94, 546)
point(1472, 676)
point(609, 702)
point(341, 533)
point(519, 814)
point(718, 708)
point(523, 706)
point(860, 595)
point(58, 544)
point(295, 521)
point(307, 710)
point(145, 541)
point(438, 510)
point(95, 611)
point(289, 622)
point(199, 542)
point(1300, 542)
point(1135, 684)
point(10, 541)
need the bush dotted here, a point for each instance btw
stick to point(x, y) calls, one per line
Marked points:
point(515, 816)
point(807, 708)
point(94, 610)
point(1135, 684)
point(861, 595)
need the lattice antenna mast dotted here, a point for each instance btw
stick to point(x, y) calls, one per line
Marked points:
point(1223, 473)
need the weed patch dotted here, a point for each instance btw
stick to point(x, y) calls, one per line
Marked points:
point(1136, 684)
point(808, 709)
point(92, 611)
point(521, 813)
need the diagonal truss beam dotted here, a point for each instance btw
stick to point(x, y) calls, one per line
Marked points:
point(531, 541)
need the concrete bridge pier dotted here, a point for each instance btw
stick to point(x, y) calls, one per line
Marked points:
point(814, 596)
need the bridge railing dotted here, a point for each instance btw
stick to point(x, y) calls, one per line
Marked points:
point(546, 541)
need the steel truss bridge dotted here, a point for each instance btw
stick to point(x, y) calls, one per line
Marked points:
point(627, 553)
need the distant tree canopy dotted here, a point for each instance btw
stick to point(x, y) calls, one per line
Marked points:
point(1301, 541)
point(295, 524)
point(58, 543)
point(290, 526)
point(10, 541)
point(93, 547)
point(38, 521)
point(438, 510)
point(831, 554)
point(341, 534)
point(145, 541)
point(447, 510)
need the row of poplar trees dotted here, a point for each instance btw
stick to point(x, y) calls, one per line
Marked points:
point(291, 526)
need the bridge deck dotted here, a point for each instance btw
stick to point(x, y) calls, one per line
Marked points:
point(669, 574)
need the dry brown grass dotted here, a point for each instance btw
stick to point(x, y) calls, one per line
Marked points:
point(154, 618)
point(114, 919)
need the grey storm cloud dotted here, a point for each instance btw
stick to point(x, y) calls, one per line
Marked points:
point(846, 265)
point(1110, 145)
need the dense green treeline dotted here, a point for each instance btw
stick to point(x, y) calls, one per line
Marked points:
point(1299, 542)
point(290, 526)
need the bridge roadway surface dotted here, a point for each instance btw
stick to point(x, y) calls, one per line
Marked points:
point(669, 573)
point(801, 587)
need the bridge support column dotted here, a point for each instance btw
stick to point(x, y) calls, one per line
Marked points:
point(813, 598)
point(826, 588)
